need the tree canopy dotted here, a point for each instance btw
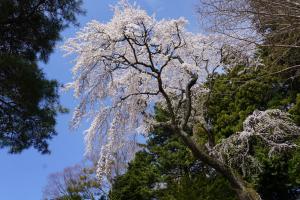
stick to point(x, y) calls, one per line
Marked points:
point(28, 100)
point(28, 105)
point(30, 28)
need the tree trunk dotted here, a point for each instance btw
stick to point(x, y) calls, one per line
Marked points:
point(241, 188)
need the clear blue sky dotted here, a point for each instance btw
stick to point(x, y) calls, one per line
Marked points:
point(23, 176)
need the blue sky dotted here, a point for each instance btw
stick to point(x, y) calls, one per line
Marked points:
point(24, 176)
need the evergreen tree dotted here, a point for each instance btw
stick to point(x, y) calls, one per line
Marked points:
point(167, 170)
point(28, 101)
point(237, 93)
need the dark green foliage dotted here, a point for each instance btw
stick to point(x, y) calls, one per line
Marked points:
point(166, 170)
point(295, 110)
point(28, 105)
point(30, 28)
point(239, 92)
point(235, 95)
point(28, 101)
point(138, 181)
point(294, 169)
point(274, 182)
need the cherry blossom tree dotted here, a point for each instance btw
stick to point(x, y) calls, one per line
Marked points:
point(126, 66)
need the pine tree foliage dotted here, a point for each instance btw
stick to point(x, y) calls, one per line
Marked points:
point(166, 169)
point(28, 100)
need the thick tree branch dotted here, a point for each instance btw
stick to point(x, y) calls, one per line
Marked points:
point(191, 83)
point(236, 182)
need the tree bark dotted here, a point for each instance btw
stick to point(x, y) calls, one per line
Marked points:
point(241, 187)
